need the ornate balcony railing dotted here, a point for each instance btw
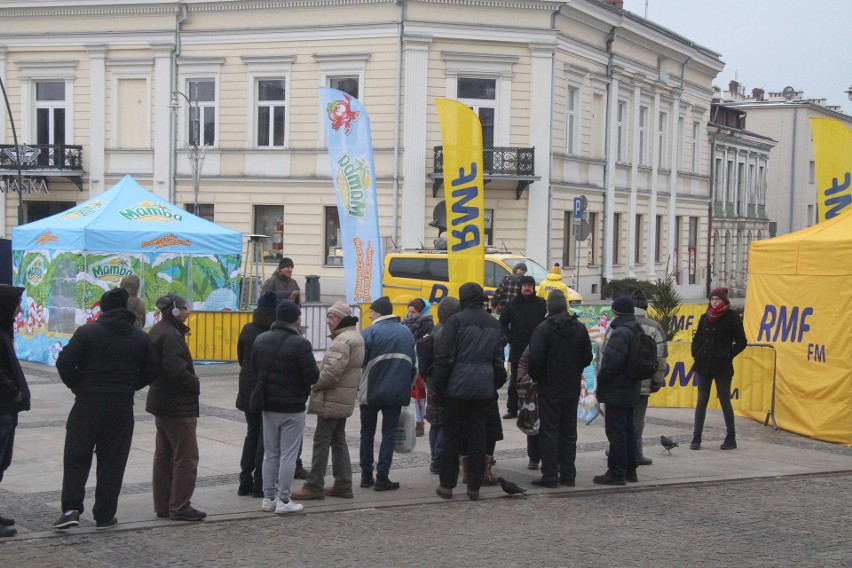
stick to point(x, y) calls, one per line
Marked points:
point(41, 161)
point(515, 164)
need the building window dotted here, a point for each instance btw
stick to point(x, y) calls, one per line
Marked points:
point(480, 95)
point(718, 191)
point(658, 239)
point(489, 227)
point(202, 114)
point(761, 186)
point(568, 246)
point(643, 135)
point(616, 238)
point(37, 210)
point(662, 125)
point(50, 112)
point(676, 260)
point(592, 240)
point(637, 240)
point(740, 195)
point(270, 112)
point(693, 250)
point(269, 221)
point(571, 121)
point(333, 240)
point(680, 142)
point(620, 111)
point(730, 182)
point(696, 145)
point(346, 83)
point(205, 210)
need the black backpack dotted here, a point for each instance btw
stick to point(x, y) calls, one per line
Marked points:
point(642, 358)
point(425, 350)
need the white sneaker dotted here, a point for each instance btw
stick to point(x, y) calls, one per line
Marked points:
point(268, 505)
point(288, 507)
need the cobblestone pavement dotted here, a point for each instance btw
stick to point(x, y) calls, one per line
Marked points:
point(787, 521)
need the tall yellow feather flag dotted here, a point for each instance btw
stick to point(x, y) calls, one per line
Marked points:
point(833, 160)
point(462, 138)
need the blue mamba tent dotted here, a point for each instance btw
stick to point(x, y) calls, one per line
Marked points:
point(67, 261)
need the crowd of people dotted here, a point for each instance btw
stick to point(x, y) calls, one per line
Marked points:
point(453, 370)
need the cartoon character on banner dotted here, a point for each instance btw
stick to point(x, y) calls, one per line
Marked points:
point(93, 313)
point(341, 114)
point(54, 352)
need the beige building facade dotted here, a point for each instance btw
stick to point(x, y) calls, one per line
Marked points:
point(576, 99)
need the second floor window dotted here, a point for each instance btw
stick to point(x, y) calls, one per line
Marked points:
point(480, 95)
point(202, 114)
point(270, 112)
point(619, 131)
point(50, 112)
point(347, 84)
point(662, 146)
point(643, 135)
point(571, 121)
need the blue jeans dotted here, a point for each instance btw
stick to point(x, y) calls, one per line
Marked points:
point(8, 423)
point(436, 439)
point(369, 420)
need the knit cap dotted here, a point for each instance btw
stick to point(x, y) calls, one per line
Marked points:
point(556, 302)
point(113, 299)
point(169, 302)
point(382, 306)
point(722, 294)
point(284, 263)
point(623, 305)
point(287, 311)
point(340, 309)
point(526, 279)
point(267, 300)
point(556, 270)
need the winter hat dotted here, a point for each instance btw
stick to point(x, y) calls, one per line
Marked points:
point(639, 299)
point(721, 293)
point(285, 262)
point(520, 267)
point(556, 270)
point(382, 306)
point(556, 302)
point(622, 305)
point(115, 298)
point(169, 302)
point(527, 279)
point(287, 311)
point(340, 309)
point(267, 300)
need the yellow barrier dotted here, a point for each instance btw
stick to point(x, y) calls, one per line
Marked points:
point(213, 335)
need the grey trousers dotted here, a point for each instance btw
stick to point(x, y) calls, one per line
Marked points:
point(330, 433)
point(639, 421)
point(282, 437)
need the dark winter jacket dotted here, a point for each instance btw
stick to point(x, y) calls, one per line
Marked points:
point(614, 386)
point(715, 345)
point(284, 362)
point(390, 367)
point(175, 391)
point(560, 349)
point(14, 392)
point(420, 324)
point(448, 307)
point(281, 285)
point(108, 360)
point(262, 319)
point(519, 319)
point(469, 364)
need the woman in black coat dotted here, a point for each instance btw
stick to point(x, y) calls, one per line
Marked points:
point(720, 337)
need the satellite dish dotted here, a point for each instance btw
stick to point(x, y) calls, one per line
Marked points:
point(788, 92)
point(439, 217)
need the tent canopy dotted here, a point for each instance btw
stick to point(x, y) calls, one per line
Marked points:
point(127, 218)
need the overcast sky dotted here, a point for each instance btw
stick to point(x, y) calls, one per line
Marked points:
point(769, 44)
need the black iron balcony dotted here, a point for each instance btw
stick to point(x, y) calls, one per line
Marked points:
point(39, 162)
point(498, 163)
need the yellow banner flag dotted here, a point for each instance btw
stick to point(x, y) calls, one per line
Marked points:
point(463, 188)
point(833, 161)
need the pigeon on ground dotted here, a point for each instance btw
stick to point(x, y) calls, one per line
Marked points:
point(668, 444)
point(511, 488)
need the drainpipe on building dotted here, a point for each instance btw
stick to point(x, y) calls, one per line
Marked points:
point(709, 285)
point(172, 118)
point(398, 103)
point(608, 114)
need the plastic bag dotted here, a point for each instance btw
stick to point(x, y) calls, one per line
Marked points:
point(405, 435)
point(528, 411)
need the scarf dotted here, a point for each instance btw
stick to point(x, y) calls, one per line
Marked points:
point(713, 314)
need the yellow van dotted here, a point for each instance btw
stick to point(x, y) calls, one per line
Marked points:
point(424, 274)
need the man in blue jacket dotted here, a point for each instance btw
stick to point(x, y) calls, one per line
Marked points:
point(385, 387)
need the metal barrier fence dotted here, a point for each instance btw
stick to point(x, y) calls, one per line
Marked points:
point(214, 335)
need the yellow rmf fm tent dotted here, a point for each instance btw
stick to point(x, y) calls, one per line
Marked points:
point(799, 299)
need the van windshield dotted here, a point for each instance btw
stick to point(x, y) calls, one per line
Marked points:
point(534, 269)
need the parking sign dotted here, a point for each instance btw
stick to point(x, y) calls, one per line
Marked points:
point(578, 207)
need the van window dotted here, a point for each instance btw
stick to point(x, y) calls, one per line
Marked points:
point(494, 274)
point(420, 268)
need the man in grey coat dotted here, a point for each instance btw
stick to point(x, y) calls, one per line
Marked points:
point(655, 383)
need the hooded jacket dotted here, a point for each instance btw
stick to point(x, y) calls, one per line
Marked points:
point(519, 319)
point(560, 349)
point(284, 362)
point(390, 363)
point(469, 364)
point(614, 386)
point(447, 308)
point(655, 330)
point(333, 395)
point(175, 391)
point(552, 282)
point(108, 360)
point(14, 392)
point(262, 319)
point(135, 304)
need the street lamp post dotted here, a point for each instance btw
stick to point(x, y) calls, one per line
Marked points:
point(18, 150)
point(194, 149)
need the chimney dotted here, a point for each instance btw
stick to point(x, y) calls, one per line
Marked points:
point(616, 3)
point(757, 94)
point(734, 86)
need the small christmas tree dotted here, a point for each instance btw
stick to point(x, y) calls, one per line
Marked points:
point(666, 301)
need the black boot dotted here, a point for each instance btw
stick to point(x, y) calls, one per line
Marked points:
point(696, 442)
point(730, 442)
point(367, 479)
point(383, 483)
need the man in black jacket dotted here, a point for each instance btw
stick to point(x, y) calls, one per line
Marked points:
point(518, 319)
point(468, 368)
point(14, 392)
point(560, 349)
point(104, 364)
point(620, 393)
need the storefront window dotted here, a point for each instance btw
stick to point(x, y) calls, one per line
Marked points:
point(269, 221)
point(333, 241)
point(205, 210)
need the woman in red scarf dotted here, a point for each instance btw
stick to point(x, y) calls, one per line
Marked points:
point(720, 337)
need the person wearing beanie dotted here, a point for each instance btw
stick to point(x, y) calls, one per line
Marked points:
point(135, 304)
point(552, 282)
point(655, 383)
point(282, 282)
point(284, 364)
point(468, 370)
point(419, 321)
point(333, 401)
point(518, 320)
point(173, 400)
point(385, 387)
point(251, 461)
point(559, 351)
point(14, 391)
point(104, 364)
point(620, 393)
point(719, 338)
point(509, 287)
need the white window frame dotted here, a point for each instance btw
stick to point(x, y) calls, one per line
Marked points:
point(31, 72)
point(350, 64)
point(267, 68)
point(129, 69)
point(681, 141)
point(620, 131)
point(696, 146)
point(643, 135)
point(572, 100)
point(199, 69)
point(662, 139)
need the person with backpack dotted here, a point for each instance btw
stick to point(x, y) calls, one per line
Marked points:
point(619, 390)
point(658, 380)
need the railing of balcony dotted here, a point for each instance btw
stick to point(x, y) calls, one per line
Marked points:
point(59, 157)
point(497, 161)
